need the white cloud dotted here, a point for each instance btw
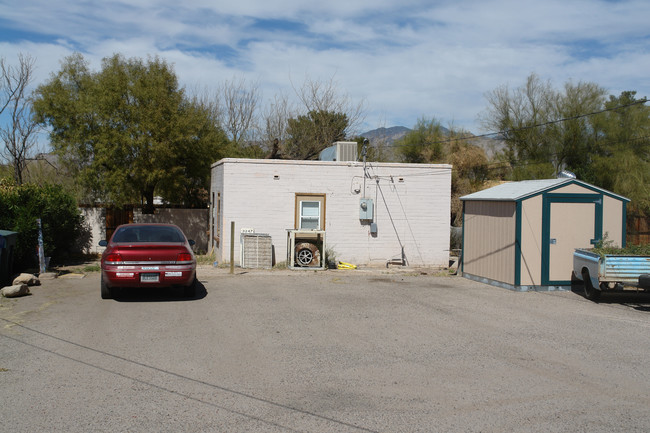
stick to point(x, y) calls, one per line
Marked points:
point(407, 60)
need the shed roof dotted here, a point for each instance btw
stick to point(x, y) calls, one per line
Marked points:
point(515, 191)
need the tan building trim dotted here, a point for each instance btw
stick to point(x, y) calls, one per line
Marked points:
point(300, 196)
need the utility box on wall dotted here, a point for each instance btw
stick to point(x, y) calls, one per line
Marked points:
point(365, 209)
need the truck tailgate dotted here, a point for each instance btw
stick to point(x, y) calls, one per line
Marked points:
point(624, 269)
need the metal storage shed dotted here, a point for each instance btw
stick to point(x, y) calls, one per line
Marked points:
point(521, 235)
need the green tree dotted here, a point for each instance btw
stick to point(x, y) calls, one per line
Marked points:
point(424, 143)
point(470, 171)
point(430, 142)
point(572, 141)
point(620, 161)
point(21, 205)
point(513, 113)
point(129, 132)
point(539, 143)
point(311, 133)
point(604, 142)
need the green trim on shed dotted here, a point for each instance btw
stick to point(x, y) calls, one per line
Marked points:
point(462, 244)
point(518, 217)
point(548, 199)
point(624, 231)
point(595, 196)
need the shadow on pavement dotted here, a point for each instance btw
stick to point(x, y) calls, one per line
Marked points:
point(165, 294)
point(638, 300)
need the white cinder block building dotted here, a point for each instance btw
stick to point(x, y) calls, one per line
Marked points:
point(396, 212)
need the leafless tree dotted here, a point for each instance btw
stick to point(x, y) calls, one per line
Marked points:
point(239, 101)
point(324, 96)
point(210, 100)
point(20, 132)
point(274, 121)
point(324, 115)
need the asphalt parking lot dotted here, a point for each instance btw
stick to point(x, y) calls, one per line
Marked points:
point(330, 351)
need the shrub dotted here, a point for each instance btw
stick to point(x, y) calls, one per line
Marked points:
point(606, 246)
point(630, 250)
point(22, 205)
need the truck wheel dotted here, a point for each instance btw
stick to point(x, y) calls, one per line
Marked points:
point(644, 281)
point(591, 292)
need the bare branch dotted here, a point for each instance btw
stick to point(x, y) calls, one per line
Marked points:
point(240, 101)
point(19, 133)
point(275, 119)
point(323, 96)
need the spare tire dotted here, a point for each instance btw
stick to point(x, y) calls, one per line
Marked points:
point(307, 255)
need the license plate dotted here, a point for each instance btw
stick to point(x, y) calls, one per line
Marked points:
point(149, 278)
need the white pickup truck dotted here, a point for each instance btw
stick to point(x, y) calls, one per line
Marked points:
point(601, 272)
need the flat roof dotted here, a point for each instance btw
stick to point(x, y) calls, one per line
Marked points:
point(312, 162)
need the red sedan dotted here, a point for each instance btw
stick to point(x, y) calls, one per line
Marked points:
point(148, 255)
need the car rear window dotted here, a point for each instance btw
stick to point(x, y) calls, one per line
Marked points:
point(148, 234)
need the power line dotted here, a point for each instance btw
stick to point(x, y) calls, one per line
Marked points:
point(523, 128)
point(488, 166)
point(580, 116)
point(523, 162)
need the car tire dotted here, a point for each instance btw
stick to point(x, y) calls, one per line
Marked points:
point(591, 292)
point(190, 291)
point(307, 255)
point(105, 290)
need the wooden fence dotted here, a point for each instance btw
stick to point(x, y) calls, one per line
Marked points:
point(638, 230)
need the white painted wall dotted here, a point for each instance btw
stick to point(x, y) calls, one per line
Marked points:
point(411, 206)
point(94, 230)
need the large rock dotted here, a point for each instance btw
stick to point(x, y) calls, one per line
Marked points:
point(28, 279)
point(15, 291)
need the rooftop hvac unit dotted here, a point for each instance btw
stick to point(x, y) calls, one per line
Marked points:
point(340, 151)
point(256, 251)
point(346, 150)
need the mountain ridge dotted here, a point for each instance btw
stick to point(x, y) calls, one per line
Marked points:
point(390, 135)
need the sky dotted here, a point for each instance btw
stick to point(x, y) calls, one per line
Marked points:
point(404, 60)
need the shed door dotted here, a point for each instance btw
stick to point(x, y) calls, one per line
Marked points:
point(571, 222)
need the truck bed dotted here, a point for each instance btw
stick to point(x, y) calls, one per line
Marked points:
point(610, 270)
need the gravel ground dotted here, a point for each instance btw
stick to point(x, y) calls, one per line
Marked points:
point(331, 351)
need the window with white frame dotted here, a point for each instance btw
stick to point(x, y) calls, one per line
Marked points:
point(310, 215)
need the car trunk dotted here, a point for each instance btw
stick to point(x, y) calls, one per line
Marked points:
point(151, 252)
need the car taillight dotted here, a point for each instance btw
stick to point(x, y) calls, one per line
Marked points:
point(184, 257)
point(113, 258)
